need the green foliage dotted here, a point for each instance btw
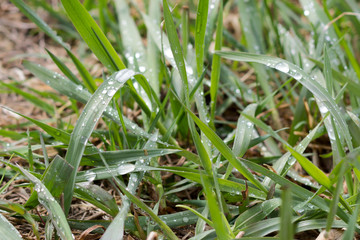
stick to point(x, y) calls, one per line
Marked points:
point(212, 113)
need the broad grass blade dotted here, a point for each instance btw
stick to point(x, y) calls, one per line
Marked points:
point(92, 35)
point(52, 206)
point(7, 230)
point(86, 123)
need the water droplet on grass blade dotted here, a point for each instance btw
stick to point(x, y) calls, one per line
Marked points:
point(283, 67)
point(111, 92)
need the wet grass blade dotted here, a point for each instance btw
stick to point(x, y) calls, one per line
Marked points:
point(7, 230)
point(216, 64)
point(200, 25)
point(86, 123)
point(27, 11)
point(54, 179)
point(301, 76)
point(52, 206)
point(225, 150)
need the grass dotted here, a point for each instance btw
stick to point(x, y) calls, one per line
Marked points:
point(223, 121)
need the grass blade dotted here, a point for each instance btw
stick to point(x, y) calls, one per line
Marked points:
point(301, 76)
point(92, 35)
point(86, 123)
point(7, 230)
point(52, 206)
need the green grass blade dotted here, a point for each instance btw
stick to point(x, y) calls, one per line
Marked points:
point(301, 76)
point(64, 68)
point(58, 134)
point(297, 190)
point(215, 67)
point(54, 179)
point(31, 98)
point(97, 196)
point(286, 225)
point(26, 10)
point(311, 169)
point(7, 230)
point(86, 123)
point(89, 82)
point(170, 234)
point(92, 35)
point(210, 223)
point(52, 206)
point(225, 151)
point(176, 48)
point(200, 26)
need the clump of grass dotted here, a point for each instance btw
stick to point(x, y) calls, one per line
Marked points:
point(188, 86)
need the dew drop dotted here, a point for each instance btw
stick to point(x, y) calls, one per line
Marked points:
point(283, 67)
point(111, 92)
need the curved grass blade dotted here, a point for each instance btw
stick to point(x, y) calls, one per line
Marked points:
point(54, 179)
point(38, 21)
point(176, 48)
point(52, 206)
point(302, 77)
point(68, 88)
point(86, 123)
point(7, 230)
point(20, 209)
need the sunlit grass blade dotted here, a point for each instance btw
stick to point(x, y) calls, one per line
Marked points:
point(86, 123)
